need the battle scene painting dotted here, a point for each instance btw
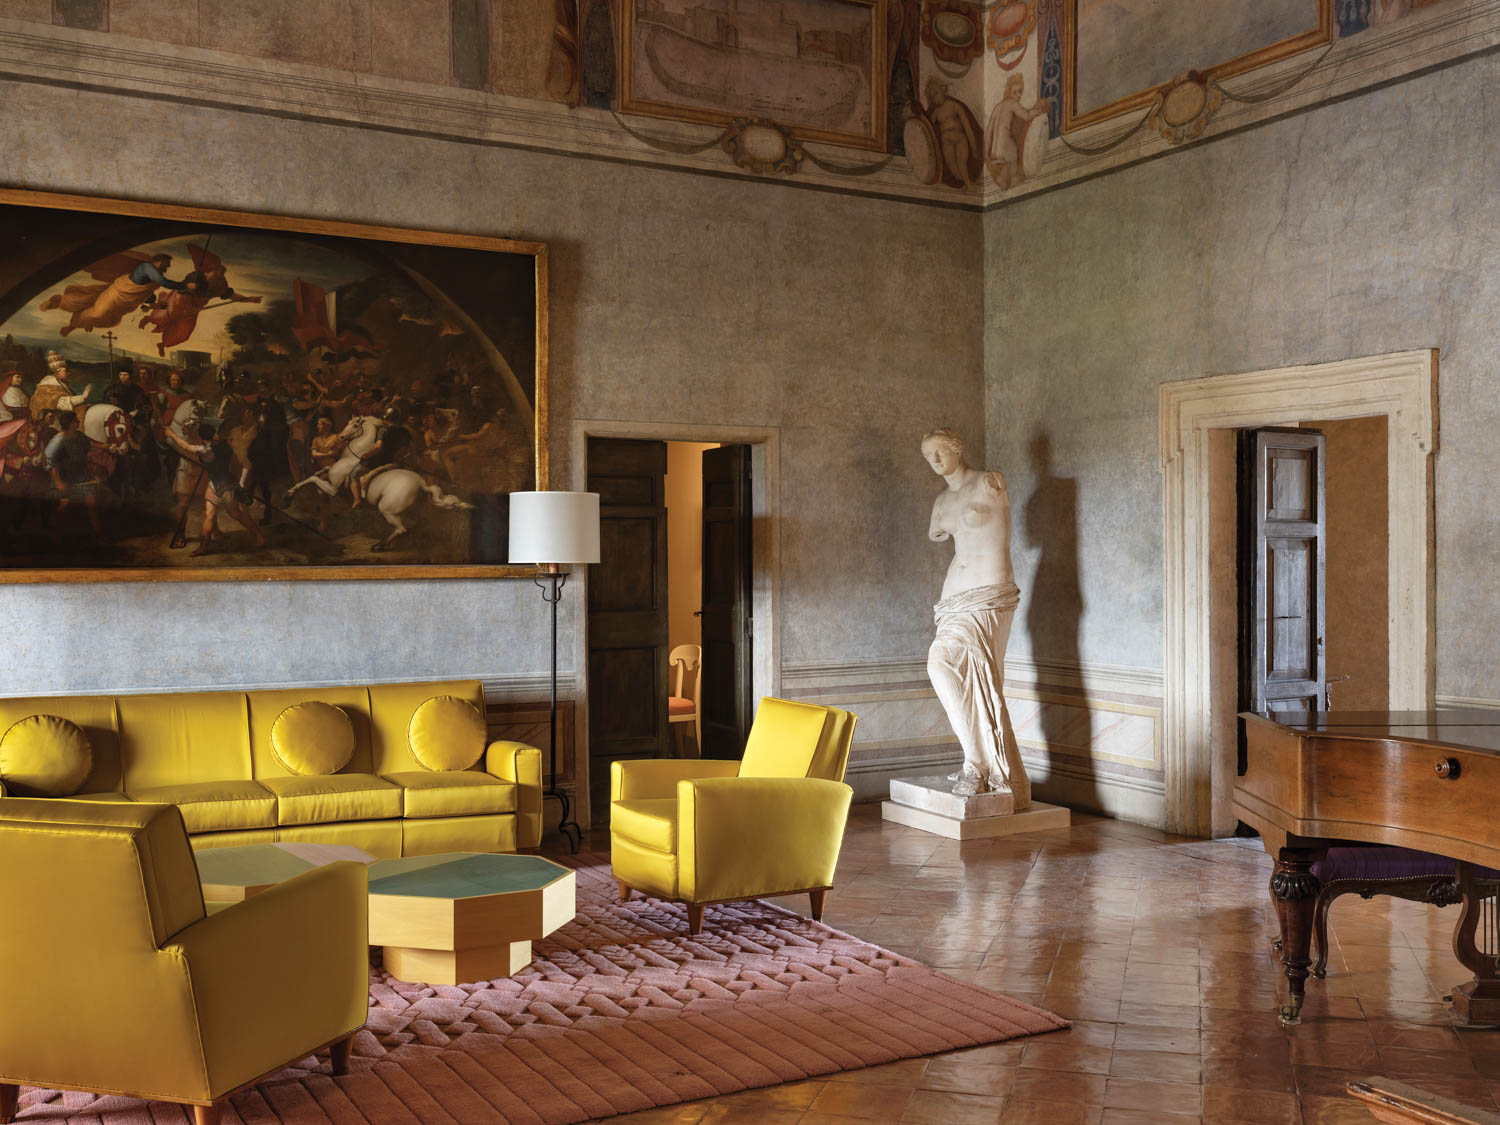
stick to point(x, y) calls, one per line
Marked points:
point(190, 394)
point(813, 66)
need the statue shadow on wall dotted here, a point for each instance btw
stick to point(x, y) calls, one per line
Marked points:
point(1054, 612)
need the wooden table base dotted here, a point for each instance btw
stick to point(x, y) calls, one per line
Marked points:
point(456, 966)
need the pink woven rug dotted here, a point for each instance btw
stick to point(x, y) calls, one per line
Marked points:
point(621, 1011)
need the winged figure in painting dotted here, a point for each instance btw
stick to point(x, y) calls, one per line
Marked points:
point(174, 314)
point(124, 281)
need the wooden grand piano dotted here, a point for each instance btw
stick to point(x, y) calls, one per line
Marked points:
point(1426, 780)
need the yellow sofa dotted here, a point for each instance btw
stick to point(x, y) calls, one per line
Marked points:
point(701, 832)
point(115, 981)
point(210, 754)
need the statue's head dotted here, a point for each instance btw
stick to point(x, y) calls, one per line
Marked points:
point(943, 450)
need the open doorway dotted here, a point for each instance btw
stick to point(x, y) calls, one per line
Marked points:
point(671, 604)
point(1310, 630)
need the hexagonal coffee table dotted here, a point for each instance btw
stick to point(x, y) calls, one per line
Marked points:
point(467, 916)
point(234, 874)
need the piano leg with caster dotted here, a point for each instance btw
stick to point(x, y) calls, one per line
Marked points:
point(1294, 889)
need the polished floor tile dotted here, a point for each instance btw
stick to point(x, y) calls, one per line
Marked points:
point(1158, 948)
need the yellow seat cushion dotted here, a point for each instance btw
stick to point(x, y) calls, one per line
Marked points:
point(333, 798)
point(44, 756)
point(652, 822)
point(446, 733)
point(312, 738)
point(454, 793)
point(215, 806)
point(98, 797)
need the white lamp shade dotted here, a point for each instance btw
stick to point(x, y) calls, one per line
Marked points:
point(554, 527)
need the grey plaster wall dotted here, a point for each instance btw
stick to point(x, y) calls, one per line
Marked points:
point(851, 324)
point(1367, 226)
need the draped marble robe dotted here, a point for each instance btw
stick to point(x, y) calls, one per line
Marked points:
point(966, 665)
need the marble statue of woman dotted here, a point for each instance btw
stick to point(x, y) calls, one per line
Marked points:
point(966, 662)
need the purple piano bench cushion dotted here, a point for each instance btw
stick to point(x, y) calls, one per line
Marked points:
point(1381, 862)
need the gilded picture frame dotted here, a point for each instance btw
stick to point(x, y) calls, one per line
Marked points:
point(815, 67)
point(261, 397)
point(1075, 116)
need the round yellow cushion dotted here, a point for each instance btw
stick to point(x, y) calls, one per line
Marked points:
point(446, 733)
point(45, 756)
point(312, 738)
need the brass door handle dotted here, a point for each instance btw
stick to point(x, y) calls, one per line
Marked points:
point(1449, 768)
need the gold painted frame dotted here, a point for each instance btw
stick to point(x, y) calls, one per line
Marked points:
point(1319, 36)
point(875, 139)
point(326, 227)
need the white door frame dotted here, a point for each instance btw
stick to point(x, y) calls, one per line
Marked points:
point(1402, 386)
point(765, 505)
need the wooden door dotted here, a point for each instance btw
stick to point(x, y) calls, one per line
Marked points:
point(627, 610)
point(727, 623)
point(1283, 542)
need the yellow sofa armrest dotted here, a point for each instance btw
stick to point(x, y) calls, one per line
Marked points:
point(742, 837)
point(648, 779)
point(280, 974)
point(521, 765)
point(2, 789)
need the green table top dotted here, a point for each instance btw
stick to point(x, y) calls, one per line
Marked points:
point(256, 864)
point(463, 875)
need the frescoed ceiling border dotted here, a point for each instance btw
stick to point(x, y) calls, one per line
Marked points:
point(68, 57)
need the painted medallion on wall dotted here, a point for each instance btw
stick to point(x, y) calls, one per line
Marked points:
point(814, 66)
point(1123, 54)
point(207, 394)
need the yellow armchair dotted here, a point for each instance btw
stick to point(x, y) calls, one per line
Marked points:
point(703, 832)
point(115, 980)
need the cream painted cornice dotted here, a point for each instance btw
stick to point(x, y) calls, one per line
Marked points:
point(117, 64)
point(105, 61)
point(1442, 34)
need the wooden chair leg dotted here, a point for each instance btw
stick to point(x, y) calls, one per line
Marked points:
point(695, 918)
point(624, 890)
point(10, 1096)
point(206, 1114)
point(819, 897)
point(339, 1054)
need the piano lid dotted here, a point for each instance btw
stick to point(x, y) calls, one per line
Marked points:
point(1462, 729)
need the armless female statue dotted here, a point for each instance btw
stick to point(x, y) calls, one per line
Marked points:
point(966, 662)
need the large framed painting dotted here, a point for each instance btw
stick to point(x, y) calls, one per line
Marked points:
point(1119, 55)
point(196, 394)
point(813, 66)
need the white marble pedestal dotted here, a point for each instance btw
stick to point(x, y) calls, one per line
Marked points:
point(929, 803)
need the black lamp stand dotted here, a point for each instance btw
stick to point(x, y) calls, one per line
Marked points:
point(551, 583)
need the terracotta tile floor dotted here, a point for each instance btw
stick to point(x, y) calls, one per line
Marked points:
point(1158, 947)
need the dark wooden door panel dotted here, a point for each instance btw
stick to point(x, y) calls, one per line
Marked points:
point(727, 625)
point(627, 609)
point(1281, 573)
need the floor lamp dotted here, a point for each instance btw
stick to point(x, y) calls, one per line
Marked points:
point(549, 530)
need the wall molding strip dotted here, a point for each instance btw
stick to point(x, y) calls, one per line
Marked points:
point(527, 688)
point(825, 678)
